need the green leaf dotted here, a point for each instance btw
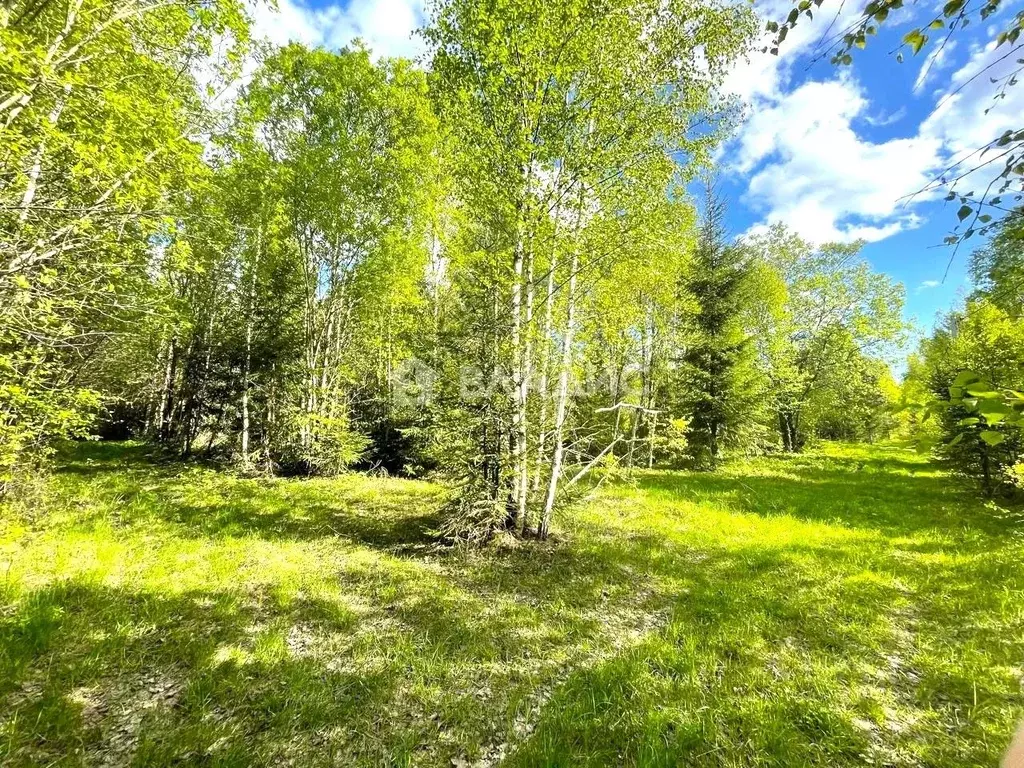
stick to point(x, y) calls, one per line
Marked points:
point(964, 212)
point(993, 411)
point(982, 390)
point(915, 39)
point(970, 420)
point(965, 377)
point(991, 437)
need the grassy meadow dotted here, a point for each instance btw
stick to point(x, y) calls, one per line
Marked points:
point(851, 606)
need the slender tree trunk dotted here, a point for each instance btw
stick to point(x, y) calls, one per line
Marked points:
point(784, 432)
point(178, 412)
point(986, 471)
point(271, 425)
point(632, 439)
point(37, 161)
point(650, 439)
point(517, 434)
point(492, 440)
point(33, 181)
point(205, 385)
point(523, 469)
point(167, 391)
point(542, 388)
point(194, 403)
point(563, 398)
point(789, 428)
point(247, 366)
point(245, 393)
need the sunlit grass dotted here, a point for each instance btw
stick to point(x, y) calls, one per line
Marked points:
point(847, 607)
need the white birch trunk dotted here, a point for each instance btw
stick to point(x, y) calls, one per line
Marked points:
point(523, 468)
point(542, 387)
point(37, 161)
point(518, 409)
point(247, 371)
point(563, 398)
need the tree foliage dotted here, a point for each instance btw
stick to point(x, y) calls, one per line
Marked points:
point(99, 114)
point(490, 269)
point(966, 378)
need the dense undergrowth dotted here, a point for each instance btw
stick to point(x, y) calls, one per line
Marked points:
point(850, 606)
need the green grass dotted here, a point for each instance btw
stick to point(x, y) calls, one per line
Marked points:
point(847, 607)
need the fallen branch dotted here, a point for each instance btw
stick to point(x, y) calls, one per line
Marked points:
point(593, 461)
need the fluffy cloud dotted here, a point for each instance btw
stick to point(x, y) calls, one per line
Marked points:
point(806, 157)
point(808, 167)
point(762, 77)
point(804, 161)
point(386, 26)
point(934, 63)
point(959, 119)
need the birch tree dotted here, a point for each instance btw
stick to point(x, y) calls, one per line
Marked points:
point(349, 145)
point(834, 307)
point(570, 118)
point(99, 109)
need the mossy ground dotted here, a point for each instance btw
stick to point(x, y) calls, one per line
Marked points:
point(846, 607)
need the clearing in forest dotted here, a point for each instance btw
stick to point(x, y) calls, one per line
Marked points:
point(849, 606)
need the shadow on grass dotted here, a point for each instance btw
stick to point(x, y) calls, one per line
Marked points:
point(91, 458)
point(652, 653)
point(427, 673)
point(422, 670)
point(793, 656)
point(894, 495)
point(134, 485)
point(614, 647)
point(121, 677)
point(389, 526)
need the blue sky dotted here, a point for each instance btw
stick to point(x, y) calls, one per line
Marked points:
point(829, 151)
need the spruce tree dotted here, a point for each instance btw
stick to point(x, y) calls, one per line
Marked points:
point(718, 354)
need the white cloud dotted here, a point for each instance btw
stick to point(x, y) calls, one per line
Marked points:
point(808, 163)
point(928, 284)
point(934, 62)
point(386, 26)
point(882, 120)
point(960, 120)
point(808, 167)
point(762, 76)
point(287, 23)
